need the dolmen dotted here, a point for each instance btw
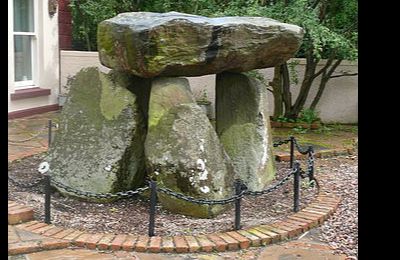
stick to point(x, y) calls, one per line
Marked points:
point(140, 121)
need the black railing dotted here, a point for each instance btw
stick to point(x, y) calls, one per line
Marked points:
point(239, 188)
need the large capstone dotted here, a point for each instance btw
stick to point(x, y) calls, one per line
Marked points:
point(242, 122)
point(177, 44)
point(183, 152)
point(99, 146)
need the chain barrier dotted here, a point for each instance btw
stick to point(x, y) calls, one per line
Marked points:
point(119, 195)
point(201, 201)
point(303, 174)
point(130, 193)
point(310, 168)
point(301, 149)
point(170, 192)
point(228, 200)
point(281, 142)
point(34, 136)
point(240, 189)
point(25, 185)
point(272, 188)
point(310, 163)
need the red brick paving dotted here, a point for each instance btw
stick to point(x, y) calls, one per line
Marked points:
point(254, 236)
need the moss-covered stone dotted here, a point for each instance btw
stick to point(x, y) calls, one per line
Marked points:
point(242, 123)
point(165, 94)
point(99, 145)
point(183, 153)
point(177, 44)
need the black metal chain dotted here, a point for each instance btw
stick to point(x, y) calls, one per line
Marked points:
point(33, 183)
point(310, 168)
point(119, 195)
point(303, 174)
point(130, 193)
point(54, 125)
point(280, 142)
point(300, 149)
point(310, 162)
point(200, 201)
point(273, 187)
point(228, 200)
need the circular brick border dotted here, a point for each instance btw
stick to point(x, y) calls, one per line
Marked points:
point(285, 157)
point(313, 215)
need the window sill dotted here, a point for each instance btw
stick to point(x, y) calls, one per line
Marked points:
point(30, 93)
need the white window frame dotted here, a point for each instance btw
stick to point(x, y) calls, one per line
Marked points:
point(34, 48)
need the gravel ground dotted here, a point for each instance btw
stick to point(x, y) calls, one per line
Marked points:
point(131, 215)
point(341, 177)
point(339, 174)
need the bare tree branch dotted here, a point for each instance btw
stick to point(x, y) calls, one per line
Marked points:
point(344, 75)
point(326, 66)
point(334, 66)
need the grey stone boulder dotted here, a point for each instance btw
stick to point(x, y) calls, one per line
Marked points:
point(242, 123)
point(167, 93)
point(99, 146)
point(183, 152)
point(177, 44)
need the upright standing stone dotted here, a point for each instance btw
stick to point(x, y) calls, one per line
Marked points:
point(183, 151)
point(167, 93)
point(99, 145)
point(242, 123)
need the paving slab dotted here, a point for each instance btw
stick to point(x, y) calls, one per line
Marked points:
point(285, 252)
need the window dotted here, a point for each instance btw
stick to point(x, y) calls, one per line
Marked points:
point(24, 42)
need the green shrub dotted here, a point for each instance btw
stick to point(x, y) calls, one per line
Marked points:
point(308, 116)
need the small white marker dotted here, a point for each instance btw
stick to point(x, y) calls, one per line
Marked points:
point(44, 167)
point(205, 189)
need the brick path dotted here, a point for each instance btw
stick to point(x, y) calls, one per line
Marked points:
point(26, 128)
point(25, 243)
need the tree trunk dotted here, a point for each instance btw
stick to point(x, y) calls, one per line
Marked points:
point(286, 94)
point(321, 88)
point(309, 76)
point(87, 37)
point(324, 80)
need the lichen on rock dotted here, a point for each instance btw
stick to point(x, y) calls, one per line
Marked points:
point(183, 153)
point(242, 123)
point(99, 145)
point(176, 44)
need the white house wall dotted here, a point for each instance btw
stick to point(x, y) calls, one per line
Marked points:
point(47, 57)
point(339, 103)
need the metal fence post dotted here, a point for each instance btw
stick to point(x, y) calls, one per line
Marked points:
point(311, 166)
point(50, 134)
point(47, 198)
point(153, 201)
point(296, 187)
point(238, 190)
point(291, 151)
